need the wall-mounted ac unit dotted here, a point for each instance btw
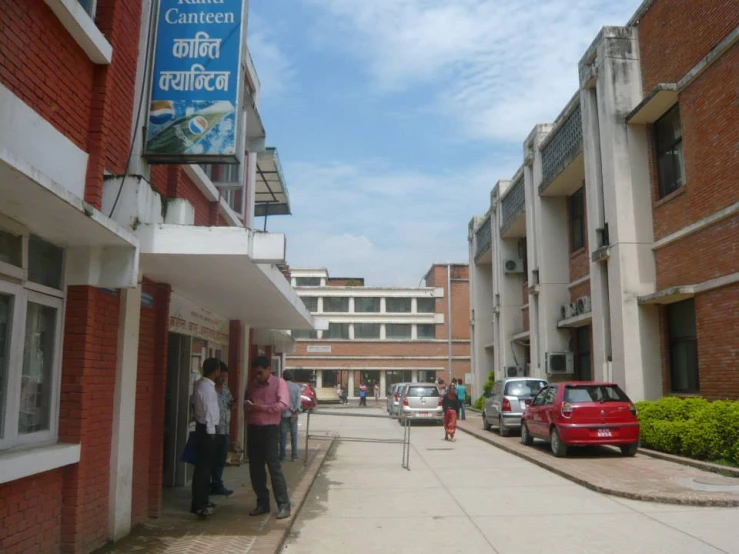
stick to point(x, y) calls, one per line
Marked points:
point(514, 371)
point(569, 310)
point(584, 305)
point(560, 363)
point(513, 266)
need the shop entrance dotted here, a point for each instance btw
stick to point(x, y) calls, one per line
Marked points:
point(369, 378)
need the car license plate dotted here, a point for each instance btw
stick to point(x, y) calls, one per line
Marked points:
point(424, 414)
point(604, 433)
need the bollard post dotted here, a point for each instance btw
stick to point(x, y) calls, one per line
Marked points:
point(307, 434)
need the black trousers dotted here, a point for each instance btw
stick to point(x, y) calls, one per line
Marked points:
point(221, 453)
point(205, 451)
point(263, 447)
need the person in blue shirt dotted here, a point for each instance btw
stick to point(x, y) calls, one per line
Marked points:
point(462, 397)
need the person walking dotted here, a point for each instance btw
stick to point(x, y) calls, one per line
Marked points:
point(362, 394)
point(222, 439)
point(207, 416)
point(289, 421)
point(377, 394)
point(462, 397)
point(450, 407)
point(266, 398)
point(442, 386)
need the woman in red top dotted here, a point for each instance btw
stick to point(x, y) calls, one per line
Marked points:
point(450, 406)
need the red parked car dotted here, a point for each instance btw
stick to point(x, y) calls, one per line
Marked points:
point(581, 413)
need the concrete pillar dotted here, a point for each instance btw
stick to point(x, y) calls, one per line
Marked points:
point(350, 384)
point(414, 376)
point(383, 383)
point(124, 411)
point(319, 378)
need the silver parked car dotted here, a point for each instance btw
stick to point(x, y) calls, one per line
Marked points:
point(393, 398)
point(420, 401)
point(507, 401)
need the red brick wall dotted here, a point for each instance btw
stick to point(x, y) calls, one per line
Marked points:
point(190, 192)
point(526, 323)
point(345, 282)
point(382, 348)
point(578, 291)
point(30, 514)
point(717, 316)
point(86, 413)
point(53, 76)
point(579, 259)
point(674, 35)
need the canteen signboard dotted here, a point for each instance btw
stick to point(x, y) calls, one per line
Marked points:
point(194, 112)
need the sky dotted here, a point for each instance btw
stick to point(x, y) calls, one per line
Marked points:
point(395, 118)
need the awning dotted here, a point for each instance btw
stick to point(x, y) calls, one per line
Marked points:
point(280, 340)
point(271, 190)
point(669, 295)
point(100, 252)
point(228, 270)
point(654, 105)
point(580, 320)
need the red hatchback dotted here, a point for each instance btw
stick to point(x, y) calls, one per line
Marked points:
point(581, 413)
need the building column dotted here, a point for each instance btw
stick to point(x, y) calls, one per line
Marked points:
point(350, 384)
point(319, 378)
point(383, 383)
point(414, 376)
point(124, 411)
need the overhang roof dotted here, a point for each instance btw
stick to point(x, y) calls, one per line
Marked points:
point(655, 104)
point(271, 189)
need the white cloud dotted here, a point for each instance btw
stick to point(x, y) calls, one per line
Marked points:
point(274, 68)
point(499, 66)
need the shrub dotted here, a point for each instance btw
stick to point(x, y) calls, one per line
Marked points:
point(487, 389)
point(692, 427)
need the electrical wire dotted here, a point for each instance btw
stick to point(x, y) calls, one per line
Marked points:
point(147, 58)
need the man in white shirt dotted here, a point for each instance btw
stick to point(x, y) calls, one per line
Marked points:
point(207, 416)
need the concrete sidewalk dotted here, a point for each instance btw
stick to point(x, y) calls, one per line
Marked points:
point(230, 530)
point(605, 470)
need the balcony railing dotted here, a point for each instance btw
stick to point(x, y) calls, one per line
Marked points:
point(514, 203)
point(561, 148)
point(484, 238)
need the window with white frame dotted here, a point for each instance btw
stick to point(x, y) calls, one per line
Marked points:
point(426, 305)
point(426, 331)
point(31, 300)
point(398, 331)
point(398, 305)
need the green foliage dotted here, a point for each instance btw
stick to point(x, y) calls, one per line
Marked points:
point(692, 427)
point(487, 389)
point(480, 403)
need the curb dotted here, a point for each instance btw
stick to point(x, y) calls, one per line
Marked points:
point(644, 497)
point(726, 471)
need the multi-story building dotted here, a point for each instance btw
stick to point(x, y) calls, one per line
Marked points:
point(118, 275)
point(382, 335)
point(612, 252)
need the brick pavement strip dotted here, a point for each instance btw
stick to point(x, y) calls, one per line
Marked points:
point(230, 530)
point(604, 470)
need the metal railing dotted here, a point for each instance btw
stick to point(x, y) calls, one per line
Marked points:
point(562, 148)
point(514, 203)
point(483, 238)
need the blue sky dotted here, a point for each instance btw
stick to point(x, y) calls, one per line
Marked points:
point(394, 118)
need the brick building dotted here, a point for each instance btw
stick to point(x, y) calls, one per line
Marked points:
point(380, 334)
point(612, 253)
point(117, 277)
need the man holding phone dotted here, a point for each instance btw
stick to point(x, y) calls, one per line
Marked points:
point(266, 398)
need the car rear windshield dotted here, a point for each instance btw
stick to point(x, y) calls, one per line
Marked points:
point(423, 391)
point(595, 393)
point(522, 389)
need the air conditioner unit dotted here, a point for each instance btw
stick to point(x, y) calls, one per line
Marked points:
point(513, 266)
point(583, 305)
point(560, 363)
point(568, 310)
point(514, 371)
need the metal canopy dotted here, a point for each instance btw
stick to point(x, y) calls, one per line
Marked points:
point(271, 190)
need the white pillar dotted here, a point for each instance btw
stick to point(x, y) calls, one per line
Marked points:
point(350, 384)
point(124, 411)
point(383, 383)
point(414, 376)
point(319, 378)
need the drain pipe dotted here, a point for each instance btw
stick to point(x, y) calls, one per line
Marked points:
point(449, 317)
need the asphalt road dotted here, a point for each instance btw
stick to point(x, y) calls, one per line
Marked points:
point(469, 496)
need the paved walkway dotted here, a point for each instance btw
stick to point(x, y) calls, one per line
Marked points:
point(471, 497)
point(605, 470)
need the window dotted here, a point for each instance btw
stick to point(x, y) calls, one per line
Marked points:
point(337, 331)
point(577, 220)
point(88, 6)
point(583, 368)
point(30, 333)
point(398, 305)
point(311, 303)
point(398, 331)
point(426, 305)
point(421, 392)
point(366, 330)
point(524, 388)
point(331, 304)
point(304, 334)
point(683, 347)
point(669, 145)
point(307, 281)
point(594, 393)
point(367, 305)
point(426, 331)
point(549, 398)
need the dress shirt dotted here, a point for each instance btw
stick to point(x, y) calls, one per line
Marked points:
point(294, 389)
point(273, 397)
point(206, 404)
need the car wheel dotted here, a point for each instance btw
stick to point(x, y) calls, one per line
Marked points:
point(630, 449)
point(485, 424)
point(501, 428)
point(526, 437)
point(559, 449)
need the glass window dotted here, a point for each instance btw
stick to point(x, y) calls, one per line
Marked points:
point(335, 304)
point(45, 263)
point(426, 305)
point(88, 6)
point(669, 145)
point(584, 371)
point(366, 330)
point(683, 347)
point(539, 400)
point(426, 331)
point(337, 331)
point(38, 369)
point(11, 249)
point(367, 305)
point(304, 334)
point(307, 281)
point(549, 398)
point(398, 305)
point(523, 389)
point(418, 392)
point(577, 220)
point(398, 331)
point(311, 303)
point(594, 393)
point(6, 326)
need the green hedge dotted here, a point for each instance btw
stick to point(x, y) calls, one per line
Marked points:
point(694, 427)
point(487, 387)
